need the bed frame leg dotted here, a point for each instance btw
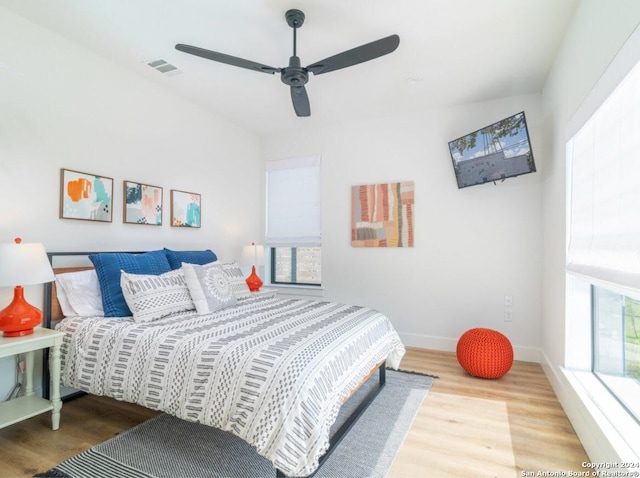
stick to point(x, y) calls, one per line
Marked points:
point(353, 418)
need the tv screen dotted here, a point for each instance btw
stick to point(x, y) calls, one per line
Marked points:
point(493, 153)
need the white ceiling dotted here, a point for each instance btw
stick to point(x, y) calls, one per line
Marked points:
point(451, 51)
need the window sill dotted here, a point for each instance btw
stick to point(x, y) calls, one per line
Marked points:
point(297, 290)
point(612, 422)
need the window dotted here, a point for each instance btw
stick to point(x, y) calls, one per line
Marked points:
point(616, 345)
point(296, 265)
point(603, 231)
point(294, 233)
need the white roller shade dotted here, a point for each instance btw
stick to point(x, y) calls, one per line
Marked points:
point(604, 181)
point(293, 202)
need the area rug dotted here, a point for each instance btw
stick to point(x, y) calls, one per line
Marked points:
point(165, 446)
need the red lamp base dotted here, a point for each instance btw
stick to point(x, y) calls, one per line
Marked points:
point(253, 281)
point(19, 317)
point(20, 333)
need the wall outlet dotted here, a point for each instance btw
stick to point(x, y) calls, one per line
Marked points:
point(508, 301)
point(508, 315)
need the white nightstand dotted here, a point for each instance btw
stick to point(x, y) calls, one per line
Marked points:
point(27, 406)
point(264, 292)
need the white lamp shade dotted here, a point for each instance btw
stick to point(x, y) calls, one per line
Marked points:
point(252, 255)
point(24, 264)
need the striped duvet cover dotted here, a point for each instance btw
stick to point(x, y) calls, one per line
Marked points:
point(272, 371)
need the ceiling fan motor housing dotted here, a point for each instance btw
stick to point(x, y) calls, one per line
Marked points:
point(295, 18)
point(294, 74)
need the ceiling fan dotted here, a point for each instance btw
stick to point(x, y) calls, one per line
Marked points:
point(295, 75)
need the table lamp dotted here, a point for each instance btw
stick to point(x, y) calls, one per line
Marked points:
point(253, 255)
point(22, 264)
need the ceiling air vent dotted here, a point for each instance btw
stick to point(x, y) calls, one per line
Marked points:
point(163, 67)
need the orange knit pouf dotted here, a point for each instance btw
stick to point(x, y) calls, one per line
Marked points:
point(485, 353)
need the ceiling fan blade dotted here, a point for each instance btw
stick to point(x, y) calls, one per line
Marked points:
point(229, 60)
point(300, 101)
point(356, 55)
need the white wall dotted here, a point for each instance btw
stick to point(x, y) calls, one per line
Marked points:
point(472, 245)
point(598, 30)
point(61, 106)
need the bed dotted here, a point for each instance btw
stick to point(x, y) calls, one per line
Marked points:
point(273, 371)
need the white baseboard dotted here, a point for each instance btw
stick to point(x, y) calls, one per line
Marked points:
point(429, 342)
point(525, 354)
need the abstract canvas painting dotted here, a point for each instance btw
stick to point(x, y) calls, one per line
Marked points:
point(382, 215)
point(142, 204)
point(185, 209)
point(85, 196)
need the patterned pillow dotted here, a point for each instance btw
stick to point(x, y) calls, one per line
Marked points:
point(152, 297)
point(237, 280)
point(209, 287)
point(108, 267)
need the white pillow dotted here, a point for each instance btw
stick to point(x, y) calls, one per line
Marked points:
point(237, 280)
point(209, 286)
point(152, 297)
point(79, 294)
point(65, 306)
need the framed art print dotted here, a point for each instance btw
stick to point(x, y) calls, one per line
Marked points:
point(185, 209)
point(142, 204)
point(382, 215)
point(84, 196)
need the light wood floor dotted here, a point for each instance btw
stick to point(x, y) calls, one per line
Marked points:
point(466, 427)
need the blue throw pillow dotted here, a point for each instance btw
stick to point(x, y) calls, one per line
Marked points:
point(108, 266)
point(176, 258)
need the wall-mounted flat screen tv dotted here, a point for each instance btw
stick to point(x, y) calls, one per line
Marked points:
point(493, 153)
